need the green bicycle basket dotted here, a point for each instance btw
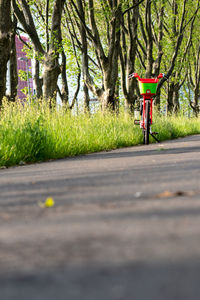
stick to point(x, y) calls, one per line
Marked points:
point(148, 86)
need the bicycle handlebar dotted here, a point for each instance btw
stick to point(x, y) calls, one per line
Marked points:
point(135, 75)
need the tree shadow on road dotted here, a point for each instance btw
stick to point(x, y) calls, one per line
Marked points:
point(142, 152)
point(134, 280)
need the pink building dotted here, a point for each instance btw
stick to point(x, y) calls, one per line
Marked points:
point(23, 63)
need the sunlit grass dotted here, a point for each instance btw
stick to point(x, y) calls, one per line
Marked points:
point(33, 132)
point(176, 126)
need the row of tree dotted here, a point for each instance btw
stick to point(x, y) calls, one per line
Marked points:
point(102, 42)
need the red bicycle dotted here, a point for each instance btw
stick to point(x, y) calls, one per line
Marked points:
point(147, 88)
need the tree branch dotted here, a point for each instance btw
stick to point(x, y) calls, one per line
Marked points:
point(95, 31)
point(132, 7)
point(77, 91)
point(25, 18)
point(82, 20)
point(47, 24)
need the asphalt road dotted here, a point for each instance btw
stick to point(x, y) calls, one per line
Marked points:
point(125, 225)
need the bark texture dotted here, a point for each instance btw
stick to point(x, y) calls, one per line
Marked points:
point(13, 78)
point(195, 82)
point(5, 42)
point(37, 80)
point(51, 65)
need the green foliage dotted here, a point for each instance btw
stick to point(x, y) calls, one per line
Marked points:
point(71, 63)
point(23, 75)
point(31, 132)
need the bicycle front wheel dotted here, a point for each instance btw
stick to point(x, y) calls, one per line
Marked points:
point(147, 123)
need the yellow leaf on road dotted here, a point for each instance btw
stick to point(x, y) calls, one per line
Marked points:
point(49, 202)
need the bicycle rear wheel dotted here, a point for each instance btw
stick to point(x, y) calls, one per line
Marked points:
point(144, 134)
point(147, 123)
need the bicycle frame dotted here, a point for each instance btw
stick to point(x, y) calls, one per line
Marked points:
point(148, 91)
point(142, 122)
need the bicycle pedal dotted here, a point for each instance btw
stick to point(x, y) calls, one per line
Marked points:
point(137, 122)
point(154, 133)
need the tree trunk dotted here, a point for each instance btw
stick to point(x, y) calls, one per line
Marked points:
point(51, 68)
point(5, 33)
point(50, 76)
point(13, 78)
point(110, 75)
point(157, 100)
point(150, 61)
point(170, 98)
point(85, 64)
point(130, 103)
point(176, 105)
point(51, 65)
point(37, 80)
point(128, 56)
point(196, 107)
point(86, 98)
point(107, 64)
point(108, 100)
point(65, 89)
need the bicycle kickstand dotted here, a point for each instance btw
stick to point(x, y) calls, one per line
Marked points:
point(155, 138)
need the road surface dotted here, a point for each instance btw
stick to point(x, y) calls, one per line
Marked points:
point(125, 225)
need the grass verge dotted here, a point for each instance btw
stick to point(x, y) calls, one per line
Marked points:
point(33, 132)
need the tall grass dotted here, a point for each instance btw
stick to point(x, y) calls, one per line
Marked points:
point(32, 132)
